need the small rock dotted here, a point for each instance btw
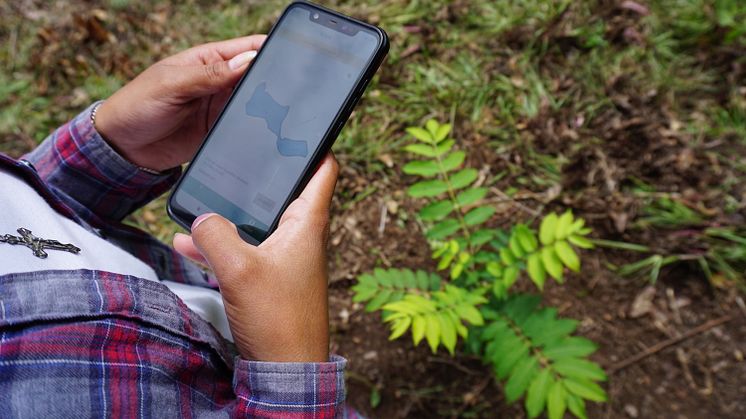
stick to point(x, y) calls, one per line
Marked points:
point(620, 220)
point(631, 411)
point(344, 315)
point(738, 355)
point(386, 159)
point(392, 206)
point(149, 216)
point(643, 303)
point(370, 355)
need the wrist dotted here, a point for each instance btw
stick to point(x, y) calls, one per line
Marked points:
point(283, 342)
point(285, 352)
point(99, 120)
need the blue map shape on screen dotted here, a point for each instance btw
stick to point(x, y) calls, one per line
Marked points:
point(263, 105)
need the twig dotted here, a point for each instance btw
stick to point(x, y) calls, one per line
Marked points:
point(453, 364)
point(520, 206)
point(383, 220)
point(669, 342)
point(741, 305)
point(471, 397)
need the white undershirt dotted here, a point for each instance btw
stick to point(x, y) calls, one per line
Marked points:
point(22, 206)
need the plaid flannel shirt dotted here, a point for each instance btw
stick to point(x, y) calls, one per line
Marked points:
point(96, 344)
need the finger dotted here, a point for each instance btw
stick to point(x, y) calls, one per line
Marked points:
point(232, 47)
point(319, 191)
point(216, 51)
point(217, 240)
point(201, 80)
point(216, 105)
point(185, 246)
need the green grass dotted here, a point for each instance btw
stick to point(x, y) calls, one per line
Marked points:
point(504, 72)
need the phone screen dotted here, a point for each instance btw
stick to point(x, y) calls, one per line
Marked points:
point(274, 124)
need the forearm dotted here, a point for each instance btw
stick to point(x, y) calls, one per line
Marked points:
point(80, 166)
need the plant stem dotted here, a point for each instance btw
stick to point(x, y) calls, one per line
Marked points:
point(452, 197)
point(543, 360)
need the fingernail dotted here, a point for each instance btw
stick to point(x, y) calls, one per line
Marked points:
point(241, 59)
point(198, 220)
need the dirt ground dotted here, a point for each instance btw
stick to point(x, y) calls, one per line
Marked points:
point(695, 377)
point(672, 349)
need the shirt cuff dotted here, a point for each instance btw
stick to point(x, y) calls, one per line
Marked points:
point(266, 388)
point(113, 165)
point(76, 160)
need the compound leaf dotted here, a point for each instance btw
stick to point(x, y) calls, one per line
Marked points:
point(478, 215)
point(432, 127)
point(515, 246)
point(547, 229)
point(379, 300)
point(447, 331)
point(436, 210)
point(443, 148)
point(422, 150)
point(420, 134)
point(408, 279)
point(510, 358)
point(442, 132)
point(364, 293)
point(470, 196)
point(426, 168)
point(399, 327)
point(443, 229)
point(427, 188)
point(521, 377)
point(580, 241)
point(579, 368)
point(564, 224)
point(552, 263)
point(536, 270)
point(481, 237)
point(510, 275)
point(470, 314)
point(432, 331)
point(586, 389)
point(453, 161)
point(576, 405)
point(556, 401)
point(570, 347)
point(567, 255)
point(506, 256)
point(536, 397)
point(463, 178)
point(526, 238)
point(418, 329)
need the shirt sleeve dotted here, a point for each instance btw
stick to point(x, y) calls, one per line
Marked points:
point(78, 165)
point(292, 390)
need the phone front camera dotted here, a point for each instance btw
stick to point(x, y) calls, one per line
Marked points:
point(315, 16)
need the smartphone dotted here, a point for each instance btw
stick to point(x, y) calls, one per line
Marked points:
point(282, 118)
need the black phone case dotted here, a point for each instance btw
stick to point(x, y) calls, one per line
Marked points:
point(185, 219)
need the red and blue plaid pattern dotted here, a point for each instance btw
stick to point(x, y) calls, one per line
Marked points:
point(96, 344)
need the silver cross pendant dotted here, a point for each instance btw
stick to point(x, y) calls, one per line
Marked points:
point(37, 245)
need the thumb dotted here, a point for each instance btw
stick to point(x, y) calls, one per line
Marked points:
point(207, 79)
point(218, 241)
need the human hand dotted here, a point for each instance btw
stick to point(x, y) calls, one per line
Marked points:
point(275, 294)
point(159, 119)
